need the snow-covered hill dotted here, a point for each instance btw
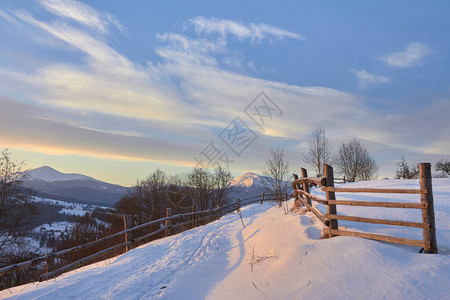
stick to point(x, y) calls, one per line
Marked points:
point(276, 256)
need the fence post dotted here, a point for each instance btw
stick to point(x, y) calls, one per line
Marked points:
point(194, 217)
point(219, 210)
point(127, 225)
point(262, 197)
point(331, 208)
point(295, 186)
point(168, 214)
point(426, 197)
point(306, 186)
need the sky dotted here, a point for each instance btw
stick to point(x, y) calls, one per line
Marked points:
point(116, 89)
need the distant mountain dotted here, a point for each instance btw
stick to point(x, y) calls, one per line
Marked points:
point(248, 180)
point(79, 188)
point(247, 185)
point(49, 174)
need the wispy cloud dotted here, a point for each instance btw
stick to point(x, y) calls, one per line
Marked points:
point(366, 79)
point(254, 32)
point(8, 17)
point(81, 13)
point(76, 38)
point(410, 57)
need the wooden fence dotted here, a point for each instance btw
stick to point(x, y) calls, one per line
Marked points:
point(167, 224)
point(330, 219)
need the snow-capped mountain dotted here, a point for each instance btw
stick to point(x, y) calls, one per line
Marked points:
point(247, 185)
point(49, 174)
point(248, 180)
point(53, 184)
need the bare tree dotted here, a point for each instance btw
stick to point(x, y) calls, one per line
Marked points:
point(178, 195)
point(369, 169)
point(443, 165)
point(319, 151)
point(404, 171)
point(354, 162)
point(156, 186)
point(201, 186)
point(277, 174)
point(222, 180)
point(15, 201)
point(147, 200)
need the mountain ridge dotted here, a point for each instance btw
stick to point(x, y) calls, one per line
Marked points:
point(73, 187)
point(49, 174)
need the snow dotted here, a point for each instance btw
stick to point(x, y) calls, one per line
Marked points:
point(49, 174)
point(57, 227)
point(248, 180)
point(70, 208)
point(276, 256)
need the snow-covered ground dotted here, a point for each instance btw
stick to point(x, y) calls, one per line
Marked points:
point(276, 256)
point(57, 227)
point(70, 208)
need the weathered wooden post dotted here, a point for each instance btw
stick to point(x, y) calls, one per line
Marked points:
point(168, 221)
point(426, 197)
point(238, 207)
point(295, 186)
point(127, 225)
point(331, 208)
point(194, 217)
point(306, 186)
point(46, 264)
point(219, 211)
point(286, 205)
point(262, 197)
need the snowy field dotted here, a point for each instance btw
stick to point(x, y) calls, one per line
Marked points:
point(70, 208)
point(276, 256)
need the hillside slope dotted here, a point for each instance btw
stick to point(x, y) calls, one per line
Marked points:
point(276, 256)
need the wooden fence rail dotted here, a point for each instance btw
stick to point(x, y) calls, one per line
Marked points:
point(330, 219)
point(129, 240)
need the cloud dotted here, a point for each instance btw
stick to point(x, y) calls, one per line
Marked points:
point(410, 57)
point(169, 110)
point(81, 13)
point(254, 32)
point(77, 38)
point(8, 17)
point(366, 79)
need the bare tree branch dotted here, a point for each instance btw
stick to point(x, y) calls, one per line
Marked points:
point(354, 162)
point(319, 151)
point(276, 174)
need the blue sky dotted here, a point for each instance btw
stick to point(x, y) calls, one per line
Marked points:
point(115, 89)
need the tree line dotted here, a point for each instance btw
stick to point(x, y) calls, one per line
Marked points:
point(150, 197)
